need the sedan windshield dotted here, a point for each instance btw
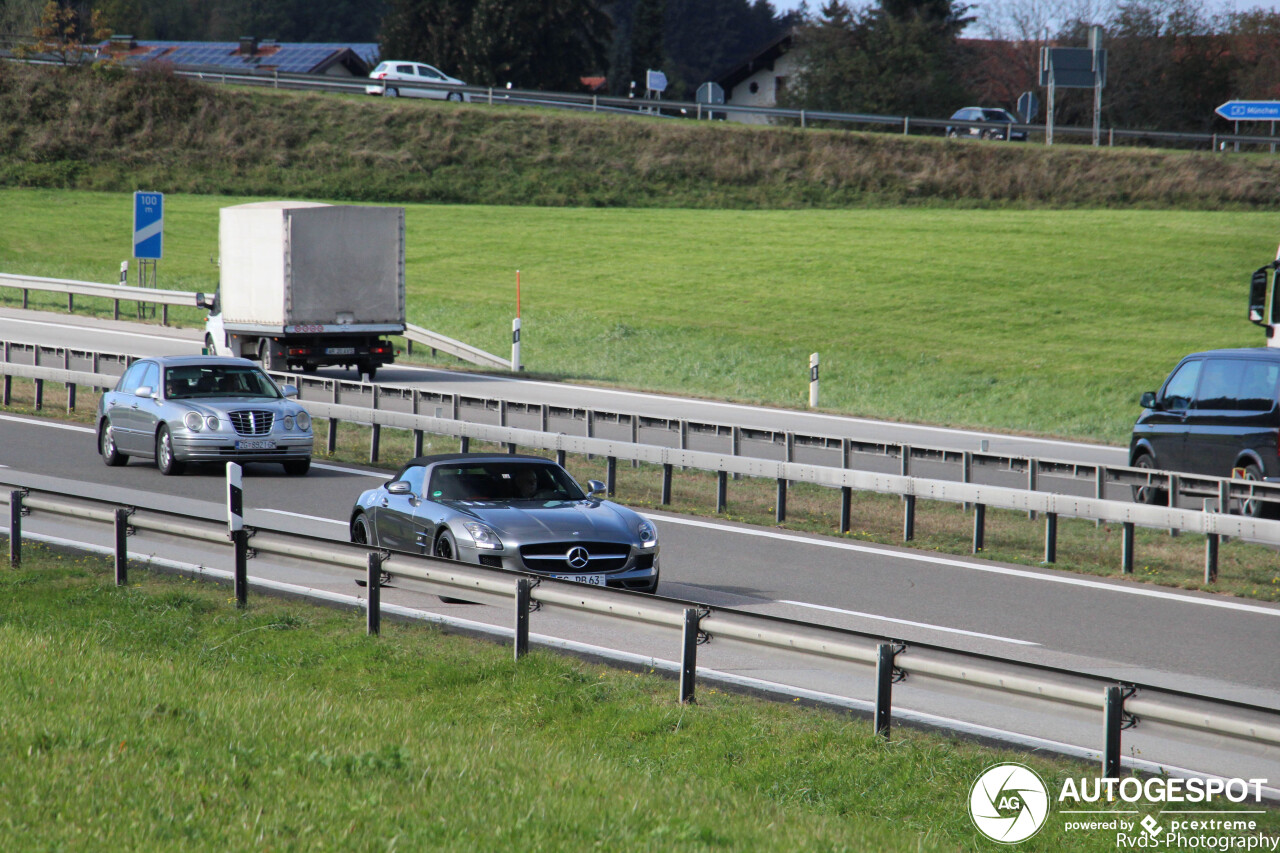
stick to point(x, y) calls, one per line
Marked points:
point(502, 481)
point(217, 380)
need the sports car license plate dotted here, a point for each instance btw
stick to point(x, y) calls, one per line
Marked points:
point(340, 351)
point(256, 444)
point(592, 580)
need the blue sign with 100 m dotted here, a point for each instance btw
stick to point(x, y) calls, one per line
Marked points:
point(148, 225)
point(1250, 111)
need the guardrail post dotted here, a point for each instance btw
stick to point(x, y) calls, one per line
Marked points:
point(8, 389)
point(846, 508)
point(122, 546)
point(1224, 496)
point(1175, 485)
point(373, 583)
point(71, 396)
point(666, 483)
point(331, 443)
point(884, 689)
point(464, 444)
point(240, 542)
point(39, 394)
point(1210, 549)
point(164, 315)
point(966, 471)
point(905, 454)
point(71, 302)
point(417, 442)
point(610, 475)
point(523, 589)
point(115, 309)
point(560, 457)
point(635, 436)
point(780, 511)
point(1051, 537)
point(722, 491)
point(1100, 488)
point(689, 656)
point(908, 517)
point(375, 437)
point(15, 528)
point(979, 526)
point(1032, 465)
point(1112, 715)
point(1126, 548)
point(24, 299)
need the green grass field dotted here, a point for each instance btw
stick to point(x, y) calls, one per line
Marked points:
point(1049, 322)
point(158, 717)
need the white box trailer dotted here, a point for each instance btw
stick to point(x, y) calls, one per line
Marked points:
point(304, 285)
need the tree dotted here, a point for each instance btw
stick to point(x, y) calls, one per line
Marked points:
point(19, 18)
point(67, 33)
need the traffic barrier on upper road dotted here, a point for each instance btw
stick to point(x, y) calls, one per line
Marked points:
point(1052, 689)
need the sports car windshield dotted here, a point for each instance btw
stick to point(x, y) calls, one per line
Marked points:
point(502, 481)
point(217, 380)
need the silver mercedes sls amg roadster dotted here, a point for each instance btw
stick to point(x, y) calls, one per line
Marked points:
point(515, 512)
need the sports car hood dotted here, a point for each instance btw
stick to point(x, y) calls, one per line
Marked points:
point(531, 521)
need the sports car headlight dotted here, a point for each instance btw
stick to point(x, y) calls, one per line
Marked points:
point(194, 421)
point(648, 534)
point(304, 421)
point(288, 421)
point(484, 537)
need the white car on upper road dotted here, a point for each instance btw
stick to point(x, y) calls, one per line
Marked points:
point(414, 80)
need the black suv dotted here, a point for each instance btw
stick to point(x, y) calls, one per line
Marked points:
point(1216, 414)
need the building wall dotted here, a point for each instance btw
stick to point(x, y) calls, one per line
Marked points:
point(766, 82)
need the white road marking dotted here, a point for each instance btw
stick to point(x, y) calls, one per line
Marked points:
point(42, 422)
point(909, 622)
point(1224, 603)
point(381, 475)
point(75, 328)
point(300, 515)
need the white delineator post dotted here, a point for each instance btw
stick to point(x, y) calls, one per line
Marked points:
point(813, 381)
point(237, 533)
point(515, 331)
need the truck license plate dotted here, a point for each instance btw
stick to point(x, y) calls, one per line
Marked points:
point(590, 580)
point(340, 351)
point(256, 444)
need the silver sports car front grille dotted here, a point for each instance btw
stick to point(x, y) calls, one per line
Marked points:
point(252, 421)
point(575, 557)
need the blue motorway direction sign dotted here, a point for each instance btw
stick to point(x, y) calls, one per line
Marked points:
point(148, 225)
point(1250, 110)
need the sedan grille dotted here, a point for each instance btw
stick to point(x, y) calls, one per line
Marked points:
point(580, 558)
point(252, 421)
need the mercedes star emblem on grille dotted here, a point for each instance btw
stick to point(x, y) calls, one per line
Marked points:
point(578, 558)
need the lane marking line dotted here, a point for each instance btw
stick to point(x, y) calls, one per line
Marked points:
point(300, 515)
point(977, 567)
point(908, 622)
point(97, 330)
point(41, 422)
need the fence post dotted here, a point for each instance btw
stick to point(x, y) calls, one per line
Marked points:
point(884, 689)
point(979, 526)
point(373, 583)
point(122, 546)
point(1112, 716)
point(523, 589)
point(1051, 537)
point(15, 528)
point(689, 656)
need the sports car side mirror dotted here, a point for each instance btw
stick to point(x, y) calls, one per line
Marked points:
point(399, 487)
point(594, 487)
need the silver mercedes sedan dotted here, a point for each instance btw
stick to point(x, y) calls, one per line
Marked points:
point(514, 512)
point(180, 409)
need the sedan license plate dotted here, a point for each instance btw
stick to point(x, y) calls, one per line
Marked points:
point(256, 444)
point(590, 580)
point(340, 351)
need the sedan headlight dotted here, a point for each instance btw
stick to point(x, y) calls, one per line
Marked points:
point(212, 423)
point(304, 421)
point(194, 421)
point(648, 534)
point(484, 537)
point(288, 421)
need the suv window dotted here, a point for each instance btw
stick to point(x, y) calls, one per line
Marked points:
point(404, 69)
point(1258, 386)
point(1181, 387)
point(1220, 384)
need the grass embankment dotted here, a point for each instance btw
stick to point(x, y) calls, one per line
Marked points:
point(157, 717)
point(107, 129)
point(1244, 569)
point(1047, 322)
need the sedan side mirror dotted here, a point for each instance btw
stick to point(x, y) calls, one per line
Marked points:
point(594, 487)
point(289, 390)
point(399, 487)
point(142, 391)
point(1148, 400)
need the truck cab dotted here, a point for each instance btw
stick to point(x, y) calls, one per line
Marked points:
point(1263, 305)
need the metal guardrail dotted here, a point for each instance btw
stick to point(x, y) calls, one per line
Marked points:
point(457, 349)
point(886, 660)
point(685, 109)
point(1209, 521)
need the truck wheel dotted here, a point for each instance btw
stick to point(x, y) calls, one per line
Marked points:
point(370, 370)
point(266, 355)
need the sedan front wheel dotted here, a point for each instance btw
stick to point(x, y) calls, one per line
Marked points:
point(165, 460)
point(107, 447)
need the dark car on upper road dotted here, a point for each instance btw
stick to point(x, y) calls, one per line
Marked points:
point(180, 409)
point(508, 511)
point(1216, 414)
point(1002, 120)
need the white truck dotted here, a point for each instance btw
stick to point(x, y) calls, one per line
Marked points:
point(304, 285)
